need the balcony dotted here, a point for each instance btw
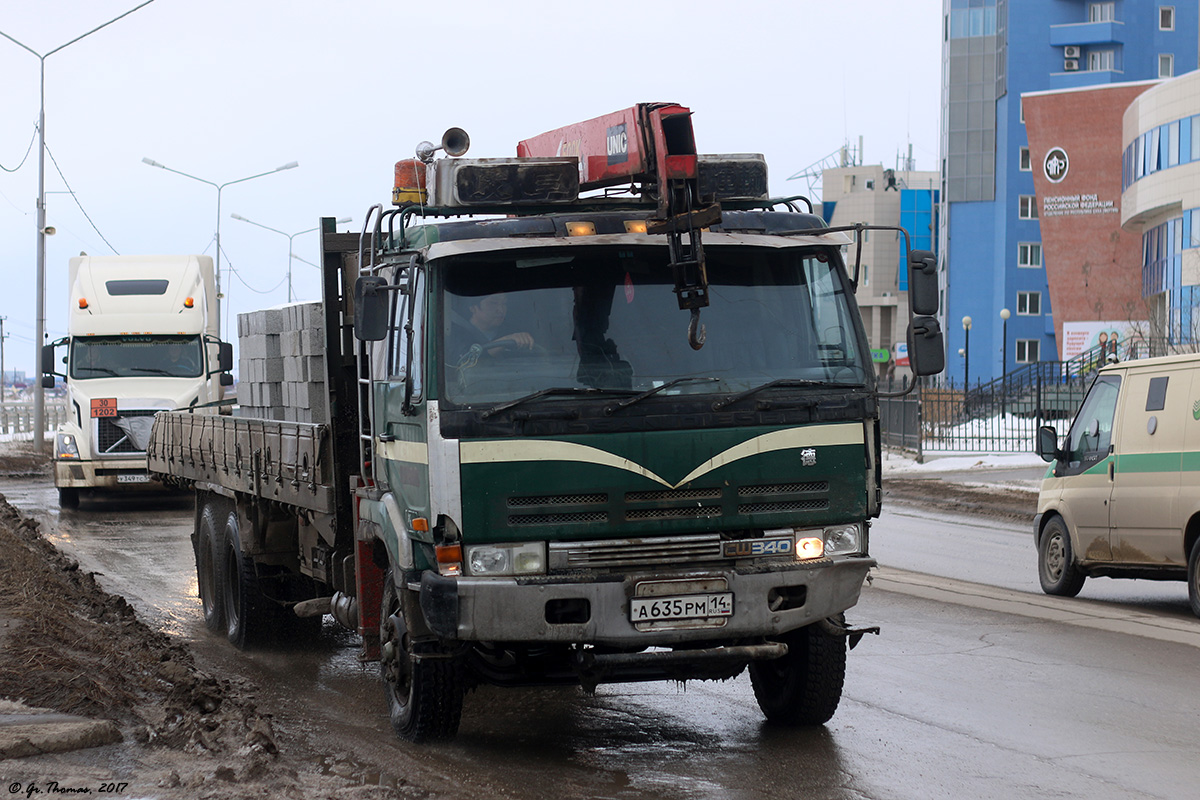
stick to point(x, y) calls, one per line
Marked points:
point(1085, 33)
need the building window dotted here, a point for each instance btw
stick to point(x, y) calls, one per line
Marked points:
point(1028, 207)
point(1029, 254)
point(1027, 351)
point(1029, 304)
point(1101, 12)
point(1026, 164)
point(1102, 60)
point(1166, 18)
point(1166, 65)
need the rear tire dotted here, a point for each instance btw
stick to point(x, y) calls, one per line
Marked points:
point(1057, 571)
point(803, 687)
point(208, 534)
point(247, 612)
point(1194, 578)
point(424, 695)
point(68, 498)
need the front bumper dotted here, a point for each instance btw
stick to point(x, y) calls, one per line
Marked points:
point(124, 474)
point(517, 610)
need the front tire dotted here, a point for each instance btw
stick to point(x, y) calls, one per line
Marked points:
point(1057, 571)
point(424, 694)
point(803, 687)
point(1193, 578)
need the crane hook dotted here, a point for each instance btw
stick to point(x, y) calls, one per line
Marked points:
point(696, 330)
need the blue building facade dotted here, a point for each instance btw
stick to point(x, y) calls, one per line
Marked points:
point(993, 51)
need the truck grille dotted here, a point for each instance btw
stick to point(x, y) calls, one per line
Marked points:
point(111, 440)
point(634, 552)
point(668, 504)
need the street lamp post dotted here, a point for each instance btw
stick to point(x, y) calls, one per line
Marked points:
point(1004, 315)
point(219, 187)
point(966, 323)
point(290, 237)
point(39, 395)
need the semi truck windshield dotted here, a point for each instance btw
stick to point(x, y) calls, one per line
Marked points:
point(514, 323)
point(135, 357)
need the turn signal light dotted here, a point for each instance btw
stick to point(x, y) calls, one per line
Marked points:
point(449, 558)
point(810, 547)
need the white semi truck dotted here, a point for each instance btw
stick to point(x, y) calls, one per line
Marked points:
point(142, 337)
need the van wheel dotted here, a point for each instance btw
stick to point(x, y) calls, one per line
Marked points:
point(424, 687)
point(1194, 578)
point(803, 687)
point(208, 585)
point(1057, 571)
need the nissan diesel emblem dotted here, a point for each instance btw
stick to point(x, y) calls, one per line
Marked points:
point(1056, 164)
point(808, 457)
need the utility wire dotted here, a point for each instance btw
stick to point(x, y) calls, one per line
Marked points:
point(229, 267)
point(76, 199)
point(28, 150)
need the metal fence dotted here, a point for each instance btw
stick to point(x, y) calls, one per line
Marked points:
point(18, 417)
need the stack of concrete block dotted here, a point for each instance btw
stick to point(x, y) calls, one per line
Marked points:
point(282, 363)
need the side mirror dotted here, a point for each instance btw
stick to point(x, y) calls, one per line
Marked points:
point(47, 381)
point(1047, 443)
point(922, 283)
point(226, 379)
point(224, 357)
point(48, 359)
point(926, 352)
point(370, 308)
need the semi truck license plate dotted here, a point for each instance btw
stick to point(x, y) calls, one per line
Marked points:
point(693, 606)
point(133, 477)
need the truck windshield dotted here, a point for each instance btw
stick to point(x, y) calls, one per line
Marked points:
point(516, 322)
point(135, 357)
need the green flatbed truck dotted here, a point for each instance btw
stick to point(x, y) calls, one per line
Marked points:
point(571, 439)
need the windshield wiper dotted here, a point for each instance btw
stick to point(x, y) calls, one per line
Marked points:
point(733, 398)
point(650, 392)
point(109, 370)
point(156, 371)
point(494, 410)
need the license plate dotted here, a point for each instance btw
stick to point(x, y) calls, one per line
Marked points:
point(138, 477)
point(691, 606)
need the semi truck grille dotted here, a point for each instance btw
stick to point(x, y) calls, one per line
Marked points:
point(112, 440)
point(634, 552)
point(518, 520)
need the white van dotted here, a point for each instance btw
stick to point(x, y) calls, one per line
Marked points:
point(1123, 497)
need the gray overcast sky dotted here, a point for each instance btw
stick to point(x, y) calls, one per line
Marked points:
point(223, 89)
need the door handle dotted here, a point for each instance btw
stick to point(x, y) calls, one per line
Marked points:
point(1112, 469)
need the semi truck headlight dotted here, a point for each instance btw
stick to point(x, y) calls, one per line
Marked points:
point(525, 558)
point(65, 446)
point(843, 540)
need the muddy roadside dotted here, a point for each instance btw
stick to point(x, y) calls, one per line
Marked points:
point(995, 502)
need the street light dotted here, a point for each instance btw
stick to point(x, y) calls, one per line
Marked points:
point(966, 323)
point(39, 395)
point(290, 237)
point(219, 187)
point(1004, 315)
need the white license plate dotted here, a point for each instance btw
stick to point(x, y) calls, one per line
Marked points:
point(140, 477)
point(690, 606)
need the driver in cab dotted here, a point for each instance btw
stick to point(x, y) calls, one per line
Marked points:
point(477, 335)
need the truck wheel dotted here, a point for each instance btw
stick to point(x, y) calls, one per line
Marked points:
point(1056, 563)
point(205, 544)
point(424, 695)
point(68, 498)
point(247, 613)
point(1194, 578)
point(803, 687)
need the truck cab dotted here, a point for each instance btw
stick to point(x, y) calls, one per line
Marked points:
point(142, 338)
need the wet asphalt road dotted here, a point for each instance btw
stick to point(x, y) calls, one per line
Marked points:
point(979, 686)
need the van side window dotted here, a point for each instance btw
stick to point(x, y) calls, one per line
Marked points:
point(1091, 433)
point(1156, 398)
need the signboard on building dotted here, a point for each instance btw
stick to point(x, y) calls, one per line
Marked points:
point(901, 354)
point(1117, 337)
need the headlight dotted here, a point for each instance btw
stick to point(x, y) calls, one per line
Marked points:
point(526, 558)
point(65, 446)
point(841, 540)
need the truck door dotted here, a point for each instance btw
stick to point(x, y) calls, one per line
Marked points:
point(1088, 485)
point(1148, 457)
point(399, 389)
